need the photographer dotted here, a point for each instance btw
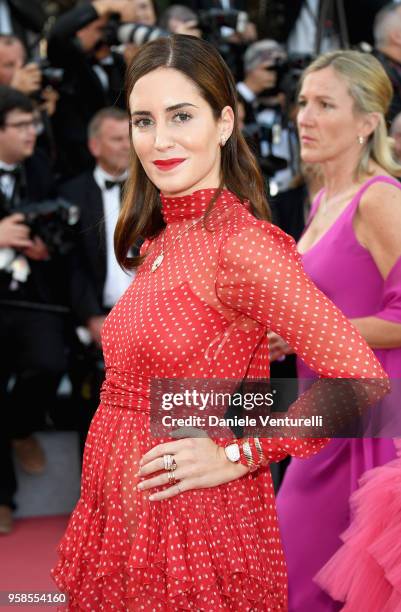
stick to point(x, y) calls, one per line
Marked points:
point(28, 79)
point(268, 89)
point(34, 291)
point(237, 35)
point(93, 76)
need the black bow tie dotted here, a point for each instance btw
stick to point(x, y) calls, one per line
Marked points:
point(15, 172)
point(110, 184)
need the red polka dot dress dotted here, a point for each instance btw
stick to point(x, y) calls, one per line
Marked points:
point(204, 312)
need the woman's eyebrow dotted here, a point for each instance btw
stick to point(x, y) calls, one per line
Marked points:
point(169, 109)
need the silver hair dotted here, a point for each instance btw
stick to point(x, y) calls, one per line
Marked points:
point(262, 51)
point(386, 20)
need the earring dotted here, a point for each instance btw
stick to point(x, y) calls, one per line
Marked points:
point(361, 140)
point(223, 141)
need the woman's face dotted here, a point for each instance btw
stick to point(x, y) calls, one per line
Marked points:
point(328, 126)
point(174, 132)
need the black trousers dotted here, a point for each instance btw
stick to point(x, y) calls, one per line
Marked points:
point(33, 358)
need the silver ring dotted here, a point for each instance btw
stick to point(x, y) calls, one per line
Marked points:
point(171, 477)
point(168, 462)
point(178, 487)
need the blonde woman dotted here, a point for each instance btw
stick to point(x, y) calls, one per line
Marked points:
point(351, 249)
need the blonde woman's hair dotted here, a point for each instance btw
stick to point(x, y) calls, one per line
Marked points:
point(372, 92)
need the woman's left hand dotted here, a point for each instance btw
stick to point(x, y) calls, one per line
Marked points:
point(200, 464)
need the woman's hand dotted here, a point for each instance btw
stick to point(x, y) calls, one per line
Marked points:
point(200, 464)
point(278, 348)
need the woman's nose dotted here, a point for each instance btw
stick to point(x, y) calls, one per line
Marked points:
point(163, 138)
point(305, 115)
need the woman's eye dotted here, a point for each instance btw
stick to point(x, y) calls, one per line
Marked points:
point(141, 123)
point(301, 103)
point(181, 117)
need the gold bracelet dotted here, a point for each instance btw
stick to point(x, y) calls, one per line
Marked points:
point(258, 446)
point(248, 455)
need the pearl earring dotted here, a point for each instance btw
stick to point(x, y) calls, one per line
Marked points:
point(361, 140)
point(222, 141)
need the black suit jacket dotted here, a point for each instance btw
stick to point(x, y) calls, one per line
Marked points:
point(26, 15)
point(85, 193)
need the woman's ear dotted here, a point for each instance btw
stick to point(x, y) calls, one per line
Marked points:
point(226, 123)
point(370, 123)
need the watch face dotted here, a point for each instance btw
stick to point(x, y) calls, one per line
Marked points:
point(232, 452)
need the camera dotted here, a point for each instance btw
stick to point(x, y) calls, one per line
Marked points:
point(53, 221)
point(288, 71)
point(115, 32)
point(51, 77)
point(211, 20)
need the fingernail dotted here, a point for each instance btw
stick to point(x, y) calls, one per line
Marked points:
point(151, 498)
point(140, 485)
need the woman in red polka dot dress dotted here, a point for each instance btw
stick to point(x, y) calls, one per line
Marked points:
point(213, 277)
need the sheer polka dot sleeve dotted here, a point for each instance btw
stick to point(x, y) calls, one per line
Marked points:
point(260, 274)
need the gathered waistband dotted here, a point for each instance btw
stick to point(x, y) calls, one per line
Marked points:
point(126, 390)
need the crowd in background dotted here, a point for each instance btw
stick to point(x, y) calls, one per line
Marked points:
point(64, 157)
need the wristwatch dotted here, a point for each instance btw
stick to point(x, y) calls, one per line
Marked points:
point(232, 451)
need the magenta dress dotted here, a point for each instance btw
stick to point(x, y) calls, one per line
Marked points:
point(313, 501)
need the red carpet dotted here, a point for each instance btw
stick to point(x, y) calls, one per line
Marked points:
point(26, 557)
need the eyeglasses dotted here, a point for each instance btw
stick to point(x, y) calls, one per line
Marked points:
point(23, 126)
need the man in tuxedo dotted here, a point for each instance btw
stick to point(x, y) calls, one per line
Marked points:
point(93, 77)
point(32, 333)
point(98, 194)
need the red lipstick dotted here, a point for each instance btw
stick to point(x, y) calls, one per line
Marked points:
point(168, 164)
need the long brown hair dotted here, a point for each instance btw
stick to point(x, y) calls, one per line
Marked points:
point(199, 61)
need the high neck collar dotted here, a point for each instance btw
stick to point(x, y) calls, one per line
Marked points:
point(193, 205)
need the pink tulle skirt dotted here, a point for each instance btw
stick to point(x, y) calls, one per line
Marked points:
point(365, 573)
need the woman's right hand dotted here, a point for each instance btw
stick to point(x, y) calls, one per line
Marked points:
point(278, 348)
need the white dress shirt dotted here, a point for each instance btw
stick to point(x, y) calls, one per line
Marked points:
point(117, 281)
point(5, 19)
point(7, 181)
